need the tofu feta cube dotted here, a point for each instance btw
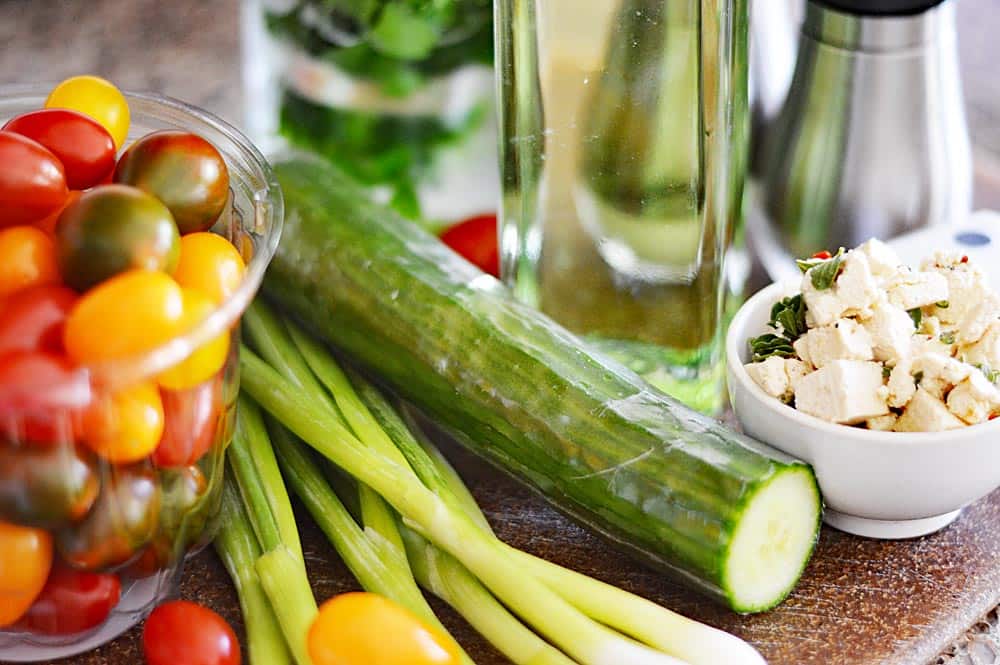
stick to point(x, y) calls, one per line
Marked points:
point(778, 376)
point(882, 423)
point(986, 351)
point(853, 292)
point(891, 331)
point(845, 339)
point(926, 413)
point(910, 289)
point(844, 391)
point(924, 344)
point(974, 399)
point(882, 259)
point(977, 319)
point(938, 373)
point(967, 286)
point(901, 386)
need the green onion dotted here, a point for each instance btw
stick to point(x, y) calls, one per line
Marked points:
point(288, 588)
point(587, 641)
point(237, 546)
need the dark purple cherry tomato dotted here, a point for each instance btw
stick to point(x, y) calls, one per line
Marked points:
point(46, 486)
point(111, 229)
point(183, 632)
point(72, 601)
point(119, 525)
point(84, 147)
point(476, 240)
point(191, 418)
point(32, 180)
point(32, 319)
point(181, 169)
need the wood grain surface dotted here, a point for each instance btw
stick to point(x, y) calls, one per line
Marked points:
point(860, 601)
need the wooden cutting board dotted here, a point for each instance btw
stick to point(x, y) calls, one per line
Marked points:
point(860, 602)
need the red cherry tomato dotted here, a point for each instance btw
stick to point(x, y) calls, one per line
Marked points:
point(37, 381)
point(191, 420)
point(71, 602)
point(84, 147)
point(32, 319)
point(181, 632)
point(476, 240)
point(32, 180)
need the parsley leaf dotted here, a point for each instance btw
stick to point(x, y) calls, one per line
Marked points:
point(790, 315)
point(886, 372)
point(947, 337)
point(944, 304)
point(823, 272)
point(769, 346)
point(917, 315)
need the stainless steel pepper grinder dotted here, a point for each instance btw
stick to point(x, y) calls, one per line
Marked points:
point(872, 138)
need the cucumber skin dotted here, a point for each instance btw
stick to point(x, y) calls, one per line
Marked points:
point(661, 480)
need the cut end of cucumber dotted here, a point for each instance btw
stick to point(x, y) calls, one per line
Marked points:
point(774, 540)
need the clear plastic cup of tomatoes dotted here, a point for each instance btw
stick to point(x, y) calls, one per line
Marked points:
point(134, 232)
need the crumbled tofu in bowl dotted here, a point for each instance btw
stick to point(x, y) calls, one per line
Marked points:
point(873, 343)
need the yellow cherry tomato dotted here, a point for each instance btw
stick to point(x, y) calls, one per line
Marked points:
point(206, 360)
point(130, 313)
point(96, 97)
point(364, 628)
point(125, 427)
point(210, 264)
point(25, 561)
point(27, 258)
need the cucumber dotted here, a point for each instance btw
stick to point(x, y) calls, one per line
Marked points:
point(720, 512)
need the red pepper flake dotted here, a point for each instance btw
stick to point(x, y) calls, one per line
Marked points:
point(965, 259)
point(822, 255)
point(994, 416)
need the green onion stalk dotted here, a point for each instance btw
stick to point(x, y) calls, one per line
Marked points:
point(583, 639)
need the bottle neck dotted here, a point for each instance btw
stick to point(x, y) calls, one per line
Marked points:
point(879, 34)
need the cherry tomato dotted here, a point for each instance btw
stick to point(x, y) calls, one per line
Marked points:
point(111, 229)
point(35, 381)
point(352, 629)
point(476, 240)
point(183, 516)
point(27, 258)
point(191, 420)
point(126, 315)
point(210, 264)
point(46, 487)
point(85, 148)
point(96, 98)
point(206, 361)
point(181, 632)
point(181, 169)
point(32, 319)
point(32, 180)
point(125, 427)
point(48, 224)
point(25, 561)
point(72, 601)
point(119, 525)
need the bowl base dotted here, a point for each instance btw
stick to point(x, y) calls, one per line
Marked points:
point(132, 609)
point(888, 529)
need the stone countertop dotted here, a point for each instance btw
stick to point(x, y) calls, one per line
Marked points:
point(190, 49)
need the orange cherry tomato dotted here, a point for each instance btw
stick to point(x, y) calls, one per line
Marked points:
point(25, 562)
point(27, 258)
point(128, 314)
point(353, 629)
point(207, 359)
point(210, 264)
point(127, 426)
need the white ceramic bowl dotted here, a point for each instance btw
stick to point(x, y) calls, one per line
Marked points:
point(875, 484)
